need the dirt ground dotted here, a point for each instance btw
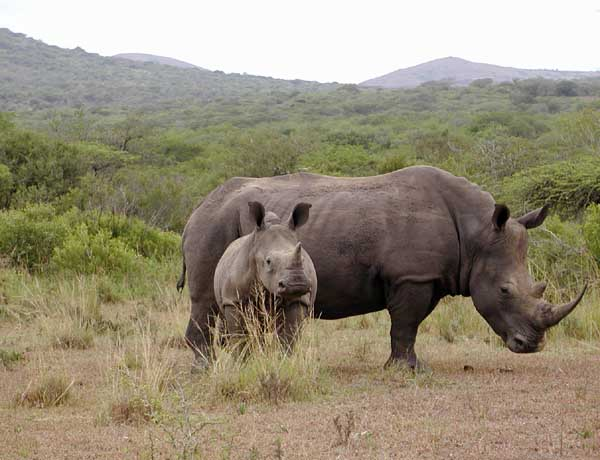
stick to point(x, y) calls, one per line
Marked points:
point(478, 402)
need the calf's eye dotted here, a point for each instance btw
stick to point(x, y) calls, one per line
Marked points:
point(268, 260)
point(504, 290)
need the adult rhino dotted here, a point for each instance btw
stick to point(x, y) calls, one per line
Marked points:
point(399, 241)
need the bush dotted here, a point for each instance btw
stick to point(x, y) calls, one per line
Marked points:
point(264, 153)
point(568, 186)
point(134, 233)
point(46, 166)
point(394, 162)
point(558, 255)
point(6, 184)
point(161, 197)
point(591, 230)
point(514, 124)
point(28, 237)
point(342, 160)
point(78, 241)
point(94, 254)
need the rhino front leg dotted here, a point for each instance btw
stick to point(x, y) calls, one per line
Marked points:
point(293, 317)
point(408, 305)
point(234, 326)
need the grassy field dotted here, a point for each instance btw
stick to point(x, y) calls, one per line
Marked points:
point(88, 375)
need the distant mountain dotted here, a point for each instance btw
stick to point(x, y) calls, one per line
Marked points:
point(37, 76)
point(461, 72)
point(141, 57)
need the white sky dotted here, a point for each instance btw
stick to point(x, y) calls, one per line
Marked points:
point(344, 41)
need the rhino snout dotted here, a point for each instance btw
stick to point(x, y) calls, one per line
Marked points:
point(519, 343)
point(293, 286)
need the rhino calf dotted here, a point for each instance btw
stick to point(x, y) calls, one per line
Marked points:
point(273, 258)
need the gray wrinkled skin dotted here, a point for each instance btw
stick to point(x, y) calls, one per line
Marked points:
point(400, 241)
point(273, 258)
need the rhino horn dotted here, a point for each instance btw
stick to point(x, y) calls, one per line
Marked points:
point(551, 315)
point(298, 254)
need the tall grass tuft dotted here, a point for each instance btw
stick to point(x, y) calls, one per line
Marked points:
point(258, 366)
point(50, 390)
point(141, 379)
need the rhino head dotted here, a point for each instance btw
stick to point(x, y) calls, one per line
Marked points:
point(502, 289)
point(277, 253)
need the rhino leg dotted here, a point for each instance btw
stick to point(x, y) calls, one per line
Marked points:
point(293, 317)
point(234, 325)
point(408, 305)
point(199, 333)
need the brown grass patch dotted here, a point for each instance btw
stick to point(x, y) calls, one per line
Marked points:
point(51, 390)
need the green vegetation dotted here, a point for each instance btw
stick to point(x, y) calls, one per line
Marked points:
point(99, 174)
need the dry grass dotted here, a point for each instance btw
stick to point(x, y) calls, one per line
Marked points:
point(131, 393)
point(49, 391)
point(255, 367)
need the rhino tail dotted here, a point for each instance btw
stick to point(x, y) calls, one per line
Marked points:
point(181, 280)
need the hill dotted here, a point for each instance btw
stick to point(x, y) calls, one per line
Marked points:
point(461, 72)
point(141, 57)
point(37, 76)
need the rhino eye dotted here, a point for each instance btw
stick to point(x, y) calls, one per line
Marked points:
point(504, 290)
point(268, 260)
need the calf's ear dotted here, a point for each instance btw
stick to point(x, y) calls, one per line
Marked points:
point(257, 213)
point(534, 218)
point(299, 215)
point(500, 216)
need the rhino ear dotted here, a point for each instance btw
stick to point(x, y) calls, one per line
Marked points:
point(500, 217)
point(534, 218)
point(257, 213)
point(299, 215)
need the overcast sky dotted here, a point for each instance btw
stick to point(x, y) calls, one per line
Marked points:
point(344, 41)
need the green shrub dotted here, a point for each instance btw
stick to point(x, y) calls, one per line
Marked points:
point(6, 184)
point(591, 230)
point(9, 357)
point(567, 186)
point(98, 253)
point(76, 241)
point(513, 123)
point(394, 162)
point(558, 255)
point(28, 237)
point(340, 160)
point(134, 233)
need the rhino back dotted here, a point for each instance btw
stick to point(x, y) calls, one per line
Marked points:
point(364, 234)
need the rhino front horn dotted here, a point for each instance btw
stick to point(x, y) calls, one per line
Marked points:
point(551, 315)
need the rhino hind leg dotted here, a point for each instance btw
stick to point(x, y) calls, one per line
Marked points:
point(408, 305)
point(199, 334)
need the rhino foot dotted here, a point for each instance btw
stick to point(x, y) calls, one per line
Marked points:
point(410, 362)
point(200, 365)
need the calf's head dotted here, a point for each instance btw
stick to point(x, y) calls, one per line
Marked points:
point(502, 289)
point(276, 252)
